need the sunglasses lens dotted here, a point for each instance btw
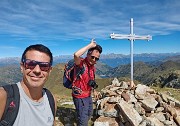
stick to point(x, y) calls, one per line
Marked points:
point(31, 64)
point(93, 57)
point(44, 66)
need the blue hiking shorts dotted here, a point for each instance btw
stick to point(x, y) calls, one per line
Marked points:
point(84, 109)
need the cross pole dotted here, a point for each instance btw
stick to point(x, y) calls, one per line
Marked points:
point(132, 37)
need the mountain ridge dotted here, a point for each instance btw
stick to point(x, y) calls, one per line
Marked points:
point(158, 72)
point(112, 60)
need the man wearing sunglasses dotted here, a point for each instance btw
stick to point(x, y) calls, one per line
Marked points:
point(34, 108)
point(86, 82)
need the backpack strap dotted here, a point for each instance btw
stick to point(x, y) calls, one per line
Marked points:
point(51, 100)
point(12, 105)
point(78, 71)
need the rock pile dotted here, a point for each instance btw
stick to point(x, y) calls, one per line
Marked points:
point(141, 106)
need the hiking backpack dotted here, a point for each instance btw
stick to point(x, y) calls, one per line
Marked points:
point(69, 72)
point(13, 101)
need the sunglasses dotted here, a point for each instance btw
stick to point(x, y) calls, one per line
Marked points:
point(93, 57)
point(31, 64)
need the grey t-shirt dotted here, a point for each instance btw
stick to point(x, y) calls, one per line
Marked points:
point(33, 113)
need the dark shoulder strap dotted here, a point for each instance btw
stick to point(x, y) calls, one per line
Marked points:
point(80, 69)
point(12, 105)
point(51, 100)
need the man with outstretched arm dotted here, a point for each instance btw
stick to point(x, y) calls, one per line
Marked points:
point(34, 105)
point(86, 84)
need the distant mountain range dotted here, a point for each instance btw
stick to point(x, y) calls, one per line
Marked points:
point(149, 69)
point(9, 61)
point(164, 73)
point(112, 60)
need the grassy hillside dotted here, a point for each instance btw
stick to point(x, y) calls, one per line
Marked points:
point(55, 81)
point(146, 73)
point(10, 74)
point(162, 73)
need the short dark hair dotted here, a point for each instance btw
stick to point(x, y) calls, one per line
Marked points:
point(40, 48)
point(97, 47)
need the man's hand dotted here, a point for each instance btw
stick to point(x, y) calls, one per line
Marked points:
point(96, 94)
point(93, 43)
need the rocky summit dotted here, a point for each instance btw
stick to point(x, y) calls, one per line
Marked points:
point(121, 106)
point(140, 106)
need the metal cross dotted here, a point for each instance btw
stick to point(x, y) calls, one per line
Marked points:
point(132, 37)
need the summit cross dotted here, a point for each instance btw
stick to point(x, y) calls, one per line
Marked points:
point(131, 37)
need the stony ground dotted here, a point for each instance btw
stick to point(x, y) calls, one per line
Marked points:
point(150, 106)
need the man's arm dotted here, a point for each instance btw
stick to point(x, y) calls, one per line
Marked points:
point(3, 97)
point(80, 52)
point(96, 94)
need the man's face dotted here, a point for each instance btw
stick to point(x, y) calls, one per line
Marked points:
point(93, 57)
point(35, 68)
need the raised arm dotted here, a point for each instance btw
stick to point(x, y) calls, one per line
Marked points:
point(80, 52)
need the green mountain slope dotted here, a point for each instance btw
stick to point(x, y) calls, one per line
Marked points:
point(10, 74)
point(55, 81)
point(146, 73)
point(162, 73)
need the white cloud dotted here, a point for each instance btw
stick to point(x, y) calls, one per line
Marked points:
point(75, 19)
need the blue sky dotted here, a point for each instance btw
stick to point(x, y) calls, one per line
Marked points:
point(66, 26)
